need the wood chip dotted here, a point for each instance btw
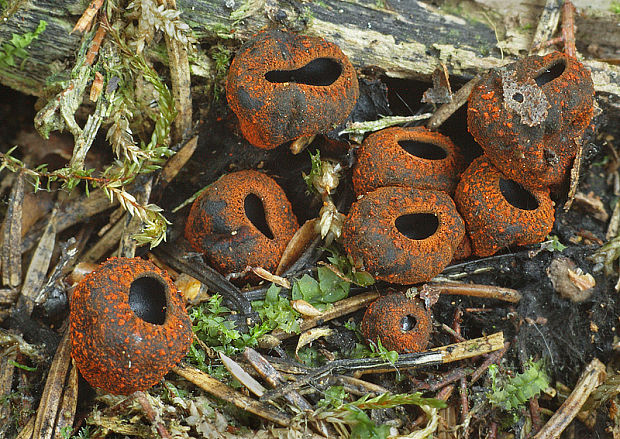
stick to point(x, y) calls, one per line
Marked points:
point(304, 308)
point(220, 390)
point(241, 375)
point(11, 237)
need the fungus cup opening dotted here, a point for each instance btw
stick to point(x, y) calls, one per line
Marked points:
point(550, 73)
point(408, 323)
point(148, 299)
point(516, 195)
point(320, 72)
point(255, 212)
point(423, 150)
point(417, 226)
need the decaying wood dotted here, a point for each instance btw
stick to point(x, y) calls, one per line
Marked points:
point(406, 39)
point(476, 290)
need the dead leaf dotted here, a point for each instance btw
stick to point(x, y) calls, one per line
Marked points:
point(264, 274)
point(298, 243)
point(309, 336)
point(304, 308)
point(441, 92)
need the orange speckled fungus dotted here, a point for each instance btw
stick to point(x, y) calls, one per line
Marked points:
point(410, 157)
point(529, 116)
point(499, 212)
point(243, 219)
point(283, 86)
point(403, 235)
point(401, 323)
point(128, 325)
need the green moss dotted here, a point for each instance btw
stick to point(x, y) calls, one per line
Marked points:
point(14, 49)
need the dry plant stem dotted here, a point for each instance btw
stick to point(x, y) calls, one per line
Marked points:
point(475, 290)
point(39, 265)
point(52, 393)
point(176, 163)
point(107, 242)
point(591, 377)
point(547, 24)
point(6, 384)
point(222, 391)
point(133, 224)
point(26, 432)
point(341, 308)
point(357, 386)
point(180, 78)
point(574, 176)
point(68, 405)
point(148, 410)
point(493, 358)
point(446, 110)
point(464, 399)
point(11, 237)
point(535, 414)
point(448, 378)
point(568, 28)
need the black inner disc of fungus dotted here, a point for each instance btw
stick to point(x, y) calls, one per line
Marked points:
point(424, 150)
point(517, 195)
point(550, 73)
point(319, 71)
point(147, 299)
point(408, 323)
point(417, 225)
point(255, 212)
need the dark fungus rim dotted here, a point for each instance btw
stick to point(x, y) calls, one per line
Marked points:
point(272, 112)
point(371, 233)
point(410, 157)
point(493, 222)
point(117, 343)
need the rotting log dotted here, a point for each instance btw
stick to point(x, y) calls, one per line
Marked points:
point(401, 39)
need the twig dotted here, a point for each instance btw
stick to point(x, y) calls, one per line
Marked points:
point(547, 24)
point(491, 359)
point(222, 391)
point(151, 415)
point(476, 290)
point(464, 399)
point(339, 309)
point(358, 367)
point(93, 50)
point(446, 110)
point(87, 17)
point(592, 376)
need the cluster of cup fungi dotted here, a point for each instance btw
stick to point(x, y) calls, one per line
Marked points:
point(419, 205)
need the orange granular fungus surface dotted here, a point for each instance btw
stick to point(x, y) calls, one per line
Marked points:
point(113, 348)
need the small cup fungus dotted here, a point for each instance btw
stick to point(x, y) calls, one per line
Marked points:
point(499, 212)
point(403, 235)
point(410, 157)
point(401, 323)
point(529, 115)
point(243, 219)
point(284, 86)
point(128, 325)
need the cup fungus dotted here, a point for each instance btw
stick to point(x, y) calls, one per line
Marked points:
point(243, 219)
point(284, 86)
point(403, 235)
point(499, 212)
point(401, 323)
point(529, 116)
point(410, 157)
point(128, 325)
